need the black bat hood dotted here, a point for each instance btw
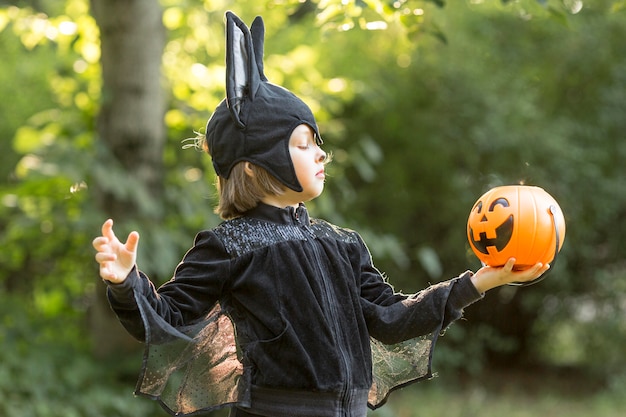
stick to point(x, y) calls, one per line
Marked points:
point(255, 120)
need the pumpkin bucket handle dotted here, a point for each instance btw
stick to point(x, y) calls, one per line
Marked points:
point(552, 210)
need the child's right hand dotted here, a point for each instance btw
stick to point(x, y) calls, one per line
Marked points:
point(116, 259)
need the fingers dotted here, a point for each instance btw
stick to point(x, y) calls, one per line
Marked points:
point(508, 266)
point(98, 242)
point(107, 230)
point(106, 273)
point(541, 269)
point(103, 257)
point(108, 237)
point(533, 272)
point(488, 277)
point(132, 242)
point(116, 259)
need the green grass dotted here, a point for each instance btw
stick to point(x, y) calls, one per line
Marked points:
point(506, 395)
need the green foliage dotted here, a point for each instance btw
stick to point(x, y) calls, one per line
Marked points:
point(46, 369)
point(505, 100)
point(421, 117)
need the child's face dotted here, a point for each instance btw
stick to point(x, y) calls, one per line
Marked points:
point(308, 161)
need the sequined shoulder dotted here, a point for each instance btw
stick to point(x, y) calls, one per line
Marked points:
point(243, 235)
point(324, 229)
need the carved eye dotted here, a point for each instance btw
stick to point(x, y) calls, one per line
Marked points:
point(499, 202)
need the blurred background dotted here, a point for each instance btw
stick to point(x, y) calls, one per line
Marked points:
point(425, 105)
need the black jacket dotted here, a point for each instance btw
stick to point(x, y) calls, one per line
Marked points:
point(305, 300)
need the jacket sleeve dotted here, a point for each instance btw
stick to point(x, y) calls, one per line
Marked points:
point(394, 317)
point(404, 328)
point(193, 290)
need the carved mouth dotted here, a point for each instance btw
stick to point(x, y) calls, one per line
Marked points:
point(504, 232)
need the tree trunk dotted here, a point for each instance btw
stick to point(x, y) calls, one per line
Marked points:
point(130, 123)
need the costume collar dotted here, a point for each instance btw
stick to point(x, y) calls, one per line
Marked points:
point(287, 215)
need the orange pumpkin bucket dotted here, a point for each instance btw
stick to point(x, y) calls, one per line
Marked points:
point(516, 221)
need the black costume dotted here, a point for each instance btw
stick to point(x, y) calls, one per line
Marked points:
point(274, 313)
point(305, 300)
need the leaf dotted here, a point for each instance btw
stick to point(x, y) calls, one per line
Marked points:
point(43, 129)
point(430, 261)
point(558, 16)
point(438, 3)
point(27, 139)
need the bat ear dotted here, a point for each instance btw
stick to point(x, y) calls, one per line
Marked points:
point(243, 74)
point(257, 29)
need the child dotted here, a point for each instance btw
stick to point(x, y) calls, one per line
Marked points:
point(273, 313)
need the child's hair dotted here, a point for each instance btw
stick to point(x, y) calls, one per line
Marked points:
point(241, 192)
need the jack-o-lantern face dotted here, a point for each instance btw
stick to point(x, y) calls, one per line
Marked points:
point(495, 227)
point(516, 221)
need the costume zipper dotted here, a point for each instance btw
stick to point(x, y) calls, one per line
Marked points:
point(346, 393)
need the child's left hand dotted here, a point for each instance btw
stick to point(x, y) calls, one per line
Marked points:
point(489, 277)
